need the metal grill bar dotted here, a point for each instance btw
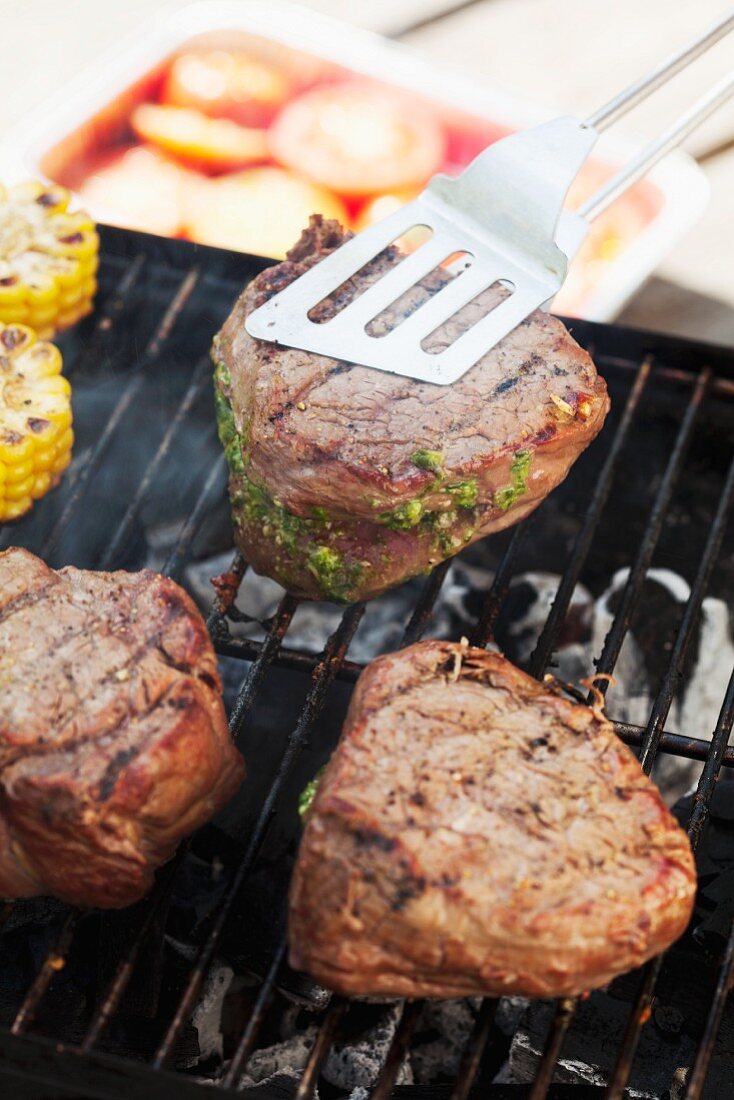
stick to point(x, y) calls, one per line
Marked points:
point(251, 1033)
point(126, 967)
point(320, 1050)
point(697, 1079)
point(472, 1058)
point(702, 801)
point(544, 646)
point(633, 588)
point(90, 463)
point(323, 676)
point(675, 744)
point(398, 1050)
point(661, 706)
point(106, 325)
point(178, 557)
point(53, 962)
point(200, 380)
point(562, 1017)
point(720, 384)
point(710, 773)
point(659, 714)
point(253, 683)
point(247, 649)
point(689, 748)
point(612, 647)
point(484, 629)
point(423, 610)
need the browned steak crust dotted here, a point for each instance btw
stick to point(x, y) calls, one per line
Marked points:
point(113, 737)
point(346, 480)
point(476, 832)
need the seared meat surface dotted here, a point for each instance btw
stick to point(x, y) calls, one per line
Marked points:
point(477, 833)
point(113, 737)
point(345, 481)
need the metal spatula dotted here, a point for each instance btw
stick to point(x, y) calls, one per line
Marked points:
point(505, 211)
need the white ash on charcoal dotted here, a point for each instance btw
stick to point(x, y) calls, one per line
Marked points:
point(436, 1059)
point(354, 1063)
point(638, 673)
point(207, 1017)
point(357, 1064)
point(351, 1065)
point(379, 632)
point(589, 1052)
point(643, 661)
point(287, 1058)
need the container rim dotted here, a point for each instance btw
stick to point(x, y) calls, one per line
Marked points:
point(680, 181)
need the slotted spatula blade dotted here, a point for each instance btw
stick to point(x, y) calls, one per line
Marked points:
point(496, 211)
point(505, 212)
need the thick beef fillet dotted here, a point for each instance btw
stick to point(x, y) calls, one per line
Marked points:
point(346, 480)
point(113, 737)
point(476, 832)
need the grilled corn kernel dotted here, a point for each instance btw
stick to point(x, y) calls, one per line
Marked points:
point(48, 258)
point(35, 419)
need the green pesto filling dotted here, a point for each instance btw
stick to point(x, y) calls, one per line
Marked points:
point(440, 525)
point(307, 795)
point(519, 469)
point(225, 423)
point(326, 566)
point(465, 493)
point(336, 576)
point(427, 460)
point(404, 516)
point(252, 504)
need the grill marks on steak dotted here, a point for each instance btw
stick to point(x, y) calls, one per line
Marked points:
point(366, 418)
point(113, 738)
point(317, 434)
point(477, 833)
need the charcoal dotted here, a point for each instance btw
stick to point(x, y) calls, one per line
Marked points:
point(358, 1064)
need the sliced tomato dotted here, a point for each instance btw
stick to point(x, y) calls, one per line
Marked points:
point(137, 188)
point(216, 144)
point(358, 139)
point(262, 211)
point(226, 84)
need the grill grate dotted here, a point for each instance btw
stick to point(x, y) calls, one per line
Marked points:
point(148, 482)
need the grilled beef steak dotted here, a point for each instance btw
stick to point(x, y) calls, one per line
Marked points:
point(113, 737)
point(345, 481)
point(476, 832)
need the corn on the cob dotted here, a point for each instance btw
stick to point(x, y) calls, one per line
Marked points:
point(48, 258)
point(35, 419)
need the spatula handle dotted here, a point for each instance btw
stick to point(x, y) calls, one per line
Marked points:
point(653, 80)
point(657, 149)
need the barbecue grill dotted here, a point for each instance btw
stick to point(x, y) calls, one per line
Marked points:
point(147, 486)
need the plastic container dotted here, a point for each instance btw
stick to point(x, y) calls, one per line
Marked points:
point(57, 140)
